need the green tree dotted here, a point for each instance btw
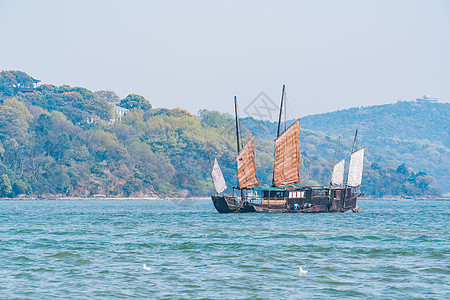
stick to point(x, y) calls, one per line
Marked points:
point(375, 166)
point(424, 182)
point(402, 169)
point(135, 101)
point(214, 118)
point(5, 186)
point(105, 146)
point(2, 150)
point(14, 119)
point(19, 187)
point(109, 96)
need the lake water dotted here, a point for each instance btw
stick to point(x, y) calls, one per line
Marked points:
point(96, 249)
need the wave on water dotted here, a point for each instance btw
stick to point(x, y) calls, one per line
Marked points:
point(64, 254)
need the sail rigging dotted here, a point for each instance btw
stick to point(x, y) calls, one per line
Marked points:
point(284, 196)
point(246, 166)
point(356, 167)
point(287, 156)
point(337, 178)
point(219, 181)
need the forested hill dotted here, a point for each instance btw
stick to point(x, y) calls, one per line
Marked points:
point(70, 141)
point(404, 120)
point(411, 132)
point(415, 133)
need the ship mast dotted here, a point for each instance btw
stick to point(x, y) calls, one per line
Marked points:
point(354, 141)
point(210, 164)
point(287, 152)
point(335, 154)
point(237, 124)
point(346, 182)
point(278, 131)
point(281, 111)
point(353, 149)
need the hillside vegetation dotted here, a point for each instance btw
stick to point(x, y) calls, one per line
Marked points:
point(414, 133)
point(62, 140)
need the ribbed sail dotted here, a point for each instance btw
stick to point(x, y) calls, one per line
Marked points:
point(219, 181)
point(356, 168)
point(338, 173)
point(246, 165)
point(287, 156)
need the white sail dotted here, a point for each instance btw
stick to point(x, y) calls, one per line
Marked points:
point(356, 168)
point(338, 173)
point(219, 181)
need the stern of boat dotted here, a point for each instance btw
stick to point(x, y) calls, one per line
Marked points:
point(224, 204)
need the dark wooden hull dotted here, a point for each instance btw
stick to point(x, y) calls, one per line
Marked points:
point(225, 204)
point(319, 204)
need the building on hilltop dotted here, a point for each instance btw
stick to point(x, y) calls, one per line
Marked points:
point(35, 82)
point(426, 98)
point(119, 112)
point(29, 89)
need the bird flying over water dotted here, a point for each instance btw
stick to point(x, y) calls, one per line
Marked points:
point(302, 272)
point(146, 268)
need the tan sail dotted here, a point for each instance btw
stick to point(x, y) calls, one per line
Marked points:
point(246, 165)
point(287, 156)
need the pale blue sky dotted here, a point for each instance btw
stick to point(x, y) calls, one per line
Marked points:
point(199, 54)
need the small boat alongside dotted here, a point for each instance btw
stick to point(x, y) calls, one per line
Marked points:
point(285, 195)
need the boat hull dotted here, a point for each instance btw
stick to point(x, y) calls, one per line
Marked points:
point(226, 204)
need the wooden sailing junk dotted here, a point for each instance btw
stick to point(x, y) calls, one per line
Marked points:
point(285, 195)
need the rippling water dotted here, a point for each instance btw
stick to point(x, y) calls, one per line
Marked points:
point(96, 249)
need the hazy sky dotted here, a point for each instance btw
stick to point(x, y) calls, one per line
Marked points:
point(199, 54)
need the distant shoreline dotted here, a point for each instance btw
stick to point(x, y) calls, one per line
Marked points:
point(56, 198)
point(405, 198)
point(107, 198)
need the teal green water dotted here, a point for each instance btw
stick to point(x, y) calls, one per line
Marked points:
point(96, 249)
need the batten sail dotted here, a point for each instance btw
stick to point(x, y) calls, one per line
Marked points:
point(356, 167)
point(246, 166)
point(337, 178)
point(287, 156)
point(219, 181)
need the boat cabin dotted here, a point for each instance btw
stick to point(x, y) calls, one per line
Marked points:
point(294, 197)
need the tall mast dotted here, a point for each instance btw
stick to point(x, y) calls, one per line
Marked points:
point(210, 163)
point(285, 111)
point(354, 141)
point(281, 111)
point(346, 182)
point(237, 124)
point(335, 152)
point(334, 161)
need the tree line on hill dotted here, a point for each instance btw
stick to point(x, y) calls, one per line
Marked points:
point(59, 140)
